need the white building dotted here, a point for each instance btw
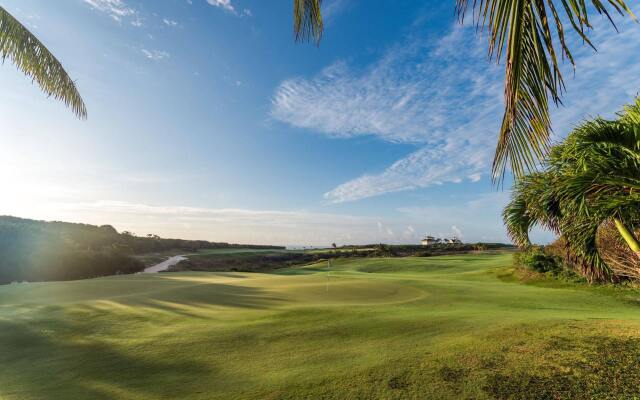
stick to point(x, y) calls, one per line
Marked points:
point(429, 240)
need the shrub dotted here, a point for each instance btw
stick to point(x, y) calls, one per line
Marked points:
point(536, 259)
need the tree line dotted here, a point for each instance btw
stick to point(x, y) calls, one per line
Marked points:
point(43, 251)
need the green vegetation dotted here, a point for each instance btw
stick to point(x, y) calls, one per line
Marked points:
point(450, 327)
point(254, 260)
point(43, 251)
point(265, 260)
point(536, 260)
point(590, 180)
point(33, 58)
point(531, 34)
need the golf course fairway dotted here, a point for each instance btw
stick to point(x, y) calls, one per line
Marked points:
point(395, 328)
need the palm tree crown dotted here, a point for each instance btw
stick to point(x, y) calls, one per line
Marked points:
point(591, 178)
point(36, 61)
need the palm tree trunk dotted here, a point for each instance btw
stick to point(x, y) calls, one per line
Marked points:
point(628, 237)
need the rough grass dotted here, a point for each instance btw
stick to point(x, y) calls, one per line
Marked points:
point(439, 327)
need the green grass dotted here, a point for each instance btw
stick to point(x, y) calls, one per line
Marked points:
point(438, 327)
point(339, 250)
point(238, 250)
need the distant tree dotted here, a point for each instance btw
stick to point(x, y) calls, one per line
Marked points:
point(33, 58)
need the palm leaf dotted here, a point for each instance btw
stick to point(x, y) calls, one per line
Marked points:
point(534, 202)
point(32, 57)
point(307, 20)
point(533, 76)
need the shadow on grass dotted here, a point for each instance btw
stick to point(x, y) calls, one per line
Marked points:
point(294, 272)
point(40, 363)
point(102, 349)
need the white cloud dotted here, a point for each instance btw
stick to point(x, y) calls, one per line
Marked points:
point(444, 97)
point(409, 95)
point(417, 93)
point(116, 9)
point(446, 162)
point(169, 22)
point(224, 4)
point(137, 22)
point(155, 55)
point(228, 6)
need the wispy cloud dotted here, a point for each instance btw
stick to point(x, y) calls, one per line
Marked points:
point(228, 6)
point(169, 22)
point(224, 4)
point(428, 94)
point(444, 97)
point(410, 95)
point(431, 165)
point(155, 55)
point(116, 9)
point(137, 22)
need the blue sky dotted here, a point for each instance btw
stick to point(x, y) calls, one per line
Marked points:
point(207, 121)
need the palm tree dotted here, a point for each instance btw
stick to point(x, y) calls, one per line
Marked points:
point(36, 61)
point(523, 30)
point(591, 179)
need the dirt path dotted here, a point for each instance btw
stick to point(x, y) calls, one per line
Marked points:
point(164, 265)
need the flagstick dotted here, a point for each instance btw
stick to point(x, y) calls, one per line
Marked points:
point(328, 266)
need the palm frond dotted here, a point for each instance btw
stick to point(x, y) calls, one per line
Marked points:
point(33, 58)
point(534, 202)
point(533, 77)
point(307, 20)
point(518, 220)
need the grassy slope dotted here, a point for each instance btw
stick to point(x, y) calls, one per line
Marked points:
point(440, 327)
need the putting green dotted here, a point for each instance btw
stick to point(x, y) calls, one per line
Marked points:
point(440, 327)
